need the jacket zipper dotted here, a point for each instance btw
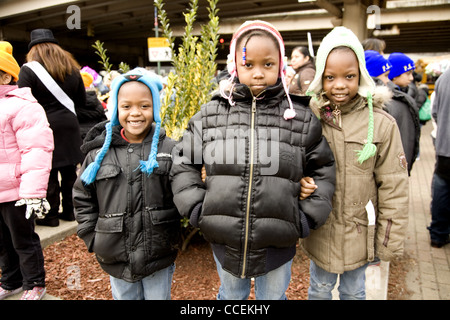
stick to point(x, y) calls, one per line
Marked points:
point(388, 231)
point(247, 213)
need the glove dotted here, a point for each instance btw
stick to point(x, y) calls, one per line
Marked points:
point(40, 207)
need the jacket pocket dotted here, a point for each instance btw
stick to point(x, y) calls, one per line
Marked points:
point(109, 242)
point(351, 150)
point(388, 232)
point(107, 171)
point(367, 231)
point(165, 228)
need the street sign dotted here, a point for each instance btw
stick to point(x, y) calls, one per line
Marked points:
point(159, 49)
point(159, 54)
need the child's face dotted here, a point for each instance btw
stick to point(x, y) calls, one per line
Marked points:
point(341, 76)
point(384, 77)
point(404, 79)
point(262, 65)
point(5, 78)
point(135, 110)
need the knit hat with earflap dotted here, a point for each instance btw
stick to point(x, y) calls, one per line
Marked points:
point(7, 62)
point(341, 36)
point(155, 85)
point(231, 63)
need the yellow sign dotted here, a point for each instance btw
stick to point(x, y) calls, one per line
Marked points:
point(154, 42)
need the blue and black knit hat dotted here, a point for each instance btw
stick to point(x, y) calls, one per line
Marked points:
point(155, 85)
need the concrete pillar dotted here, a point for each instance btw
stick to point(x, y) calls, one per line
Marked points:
point(355, 18)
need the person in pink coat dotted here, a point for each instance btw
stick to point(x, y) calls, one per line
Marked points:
point(25, 162)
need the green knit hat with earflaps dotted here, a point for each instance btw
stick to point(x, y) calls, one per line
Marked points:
point(342, 36)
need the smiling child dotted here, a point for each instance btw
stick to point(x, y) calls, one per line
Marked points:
point(123, 200)
point(370, 204)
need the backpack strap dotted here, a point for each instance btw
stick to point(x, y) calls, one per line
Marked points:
point(51, 85)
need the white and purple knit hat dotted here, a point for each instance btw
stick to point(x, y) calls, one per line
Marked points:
point(231, 63)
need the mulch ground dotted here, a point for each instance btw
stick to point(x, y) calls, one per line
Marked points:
point(72, 273)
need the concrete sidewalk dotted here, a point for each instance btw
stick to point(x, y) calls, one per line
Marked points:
point(428, 277)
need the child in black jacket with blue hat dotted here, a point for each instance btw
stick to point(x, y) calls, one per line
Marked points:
point(123, 199)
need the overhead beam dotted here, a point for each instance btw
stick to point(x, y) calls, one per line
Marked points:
point(331, 8)
point(13, 7)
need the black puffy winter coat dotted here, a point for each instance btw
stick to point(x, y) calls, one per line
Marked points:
point(126, 217)
point(249, 206)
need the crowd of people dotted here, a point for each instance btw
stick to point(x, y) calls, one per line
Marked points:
point(347, 117)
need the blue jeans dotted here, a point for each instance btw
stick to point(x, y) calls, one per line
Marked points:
point(271, 286)
point(352, 284)
point(156, 286)
point(440, 209)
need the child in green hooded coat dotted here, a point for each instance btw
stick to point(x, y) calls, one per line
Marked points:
point(370, 203)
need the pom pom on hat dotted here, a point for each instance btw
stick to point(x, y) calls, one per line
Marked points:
point(155, 85)
point(401, 63)
point(7, 62)
point(376, 64)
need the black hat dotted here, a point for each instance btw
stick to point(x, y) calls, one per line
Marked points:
point(41, 36)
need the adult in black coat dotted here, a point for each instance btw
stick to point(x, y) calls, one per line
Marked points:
point(64, 69)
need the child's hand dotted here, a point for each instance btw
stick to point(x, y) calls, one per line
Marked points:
point(308, 187)
point(203, 174)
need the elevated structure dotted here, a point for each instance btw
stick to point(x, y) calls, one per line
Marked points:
point(413, 26)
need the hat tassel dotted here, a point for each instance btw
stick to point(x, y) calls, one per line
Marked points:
point(149, 165)
point(369, 149)
point(89, 174)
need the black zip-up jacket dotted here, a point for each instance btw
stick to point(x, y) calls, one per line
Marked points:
point(249, 207)
point(126, 217)
point(403, 108)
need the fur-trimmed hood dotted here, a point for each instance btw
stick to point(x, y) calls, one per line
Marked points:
point(381, 96)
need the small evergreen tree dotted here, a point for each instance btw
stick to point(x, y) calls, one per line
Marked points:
point(191, 84)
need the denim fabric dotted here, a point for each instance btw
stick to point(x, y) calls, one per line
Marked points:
point(351, 283)
point(156, 286)
point(271, 286)
point(440, 209)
